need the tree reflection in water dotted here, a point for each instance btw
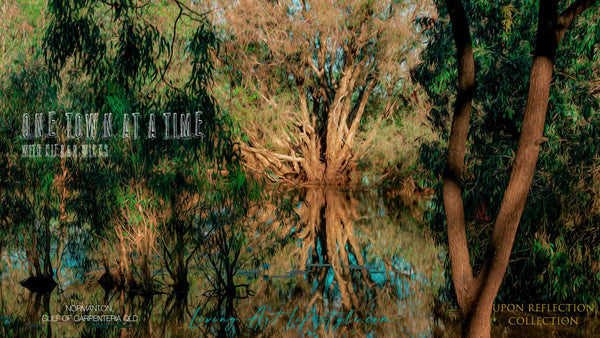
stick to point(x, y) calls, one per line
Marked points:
point(344, 256)
point(303, 253)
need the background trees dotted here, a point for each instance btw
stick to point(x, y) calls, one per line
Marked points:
point(304, 75)
point(118, 58)
point(316, 93)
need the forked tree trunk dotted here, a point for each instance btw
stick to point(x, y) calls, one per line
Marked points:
point(476, 295)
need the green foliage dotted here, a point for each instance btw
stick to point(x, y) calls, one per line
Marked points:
point(29, 201)
point(116, 58)
point(562, 208)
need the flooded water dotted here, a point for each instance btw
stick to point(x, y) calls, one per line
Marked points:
point(317, 262)
point(304, 263)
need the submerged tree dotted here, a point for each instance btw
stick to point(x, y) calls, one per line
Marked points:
point(113, 59)
point(497, 107)
point(313, 71)
point(31, 189)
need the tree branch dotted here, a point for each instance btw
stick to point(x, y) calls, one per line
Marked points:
point(276, 155)
point(567, 17)
point(462, 272)
point(309, 128)
point(359, 112)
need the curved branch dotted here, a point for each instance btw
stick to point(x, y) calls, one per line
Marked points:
point(567, 17)
point(276, 155)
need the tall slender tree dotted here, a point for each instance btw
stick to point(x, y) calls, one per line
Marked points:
point(476, 293)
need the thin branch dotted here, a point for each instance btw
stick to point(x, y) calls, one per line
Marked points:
point(162, 75)
point(119, 4)
point(567, 17)
point(276, 155)
point(181, 4)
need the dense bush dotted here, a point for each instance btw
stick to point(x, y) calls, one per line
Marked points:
point(556, 253)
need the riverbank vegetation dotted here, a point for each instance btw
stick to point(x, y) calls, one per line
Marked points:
point(420, 99)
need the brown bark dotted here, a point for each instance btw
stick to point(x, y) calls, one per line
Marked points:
point(462, 275)
point(339, 59)
point(476, 295)
point(514, 199)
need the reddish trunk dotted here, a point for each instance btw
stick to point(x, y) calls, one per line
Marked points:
point(515, 196)
point(462, 276)
point(476, 295)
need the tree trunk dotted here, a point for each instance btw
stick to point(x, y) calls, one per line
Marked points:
point(515, 196)
point(462, 275)
point(476, 295)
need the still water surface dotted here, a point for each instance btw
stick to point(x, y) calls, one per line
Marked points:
point(337, 263)
point(310, 263)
